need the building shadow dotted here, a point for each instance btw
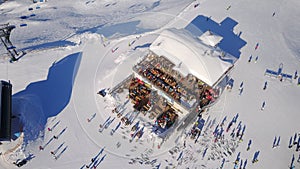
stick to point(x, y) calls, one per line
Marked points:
point(47, 45)
point(47, 98)
point(231, 43)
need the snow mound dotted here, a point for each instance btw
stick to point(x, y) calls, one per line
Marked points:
point(31, 113)
point(47, 98)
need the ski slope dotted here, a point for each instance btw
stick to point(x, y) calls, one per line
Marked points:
point(55, 85)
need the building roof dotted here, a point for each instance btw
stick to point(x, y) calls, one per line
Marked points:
point(190, 55)
point(210, 38)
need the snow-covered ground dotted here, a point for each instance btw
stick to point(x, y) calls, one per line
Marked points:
point(55, 83)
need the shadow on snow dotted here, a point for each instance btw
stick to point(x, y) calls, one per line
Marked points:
point(48, 45)
point(231, 43)
point(43, 99)
point(122, 29)
point(146, 45)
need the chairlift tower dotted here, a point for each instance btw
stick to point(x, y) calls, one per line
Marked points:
point(5, 30)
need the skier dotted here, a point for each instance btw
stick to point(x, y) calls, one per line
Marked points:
point(257, 155)
point(278, 141)
point(106, 124)
point(238, 132)
point(239, 125)
point(254, 160)
point(245, 164)
point(223, 121)
point(235, 118)
point(290, 143)
point(232, 133)
point(256, 46)
point(113, 50)
point(241, 85)
point(243, 130)
point(241, 137)
point(292, 163)
point(263, 105)
point(241, 91)
point(280, 78)
point(295, 138)
point(298, 144)
point(118, 144)
point(296, 75)
point(241, 164)
point(229, 125)
point(256, 58)
point(180, 156)
point(265, 85)
point(158, 166)
point(249, 144)
point(235, 166)
point(274, 142)
point(228, 7)
point(222, 165)
point(237, 158)
point(250, 58)
point(204, 153)
point(216, 130)
point(134, 127)
point(115, 129)
point(221, 132)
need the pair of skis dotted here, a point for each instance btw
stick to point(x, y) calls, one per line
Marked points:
point(129, 117)
point(133, 116)
point(95, 161)
point(136, 126)
point(54, 153)
point(115, 129)
point(106, 124)
point(138, 133)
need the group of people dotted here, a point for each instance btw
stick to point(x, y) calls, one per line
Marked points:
point(295, 140)
point(159, 71)
point(164, 81)
point(168, 84)
point(197, 128)
point(167, 118)
point(206, 97)
point(140, 94)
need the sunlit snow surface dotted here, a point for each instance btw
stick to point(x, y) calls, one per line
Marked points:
point(55, 83)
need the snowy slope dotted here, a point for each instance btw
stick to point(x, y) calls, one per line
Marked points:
point(49, 24)
point(85, 66)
